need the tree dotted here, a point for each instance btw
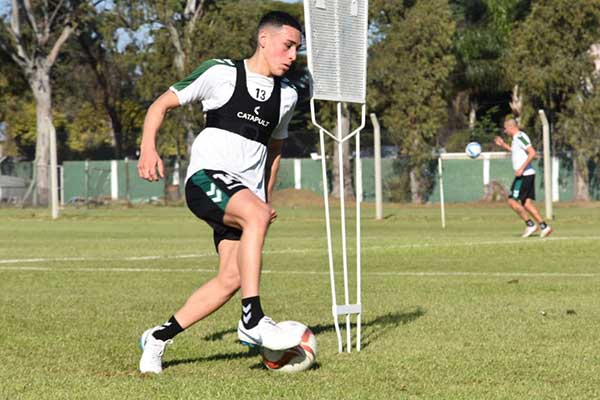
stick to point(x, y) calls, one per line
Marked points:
point(179, 20)
point(551, 62)
point(112, 68)
point(482, 37)
point(409, 66)
point(33, 40)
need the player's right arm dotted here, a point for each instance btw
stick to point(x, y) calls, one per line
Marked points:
point(500, 142)
point(150, 166)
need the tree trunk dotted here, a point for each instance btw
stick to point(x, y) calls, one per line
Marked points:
point(40, 85)
point(416, 195)
point(347, 184)
point(516, 103)
point(116, 129)
point(472, 114)
point(580, 178)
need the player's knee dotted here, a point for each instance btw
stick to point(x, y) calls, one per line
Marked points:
point(261, 216)
point(230, 280)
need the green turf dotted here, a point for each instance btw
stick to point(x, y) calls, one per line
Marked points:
point(472, 312)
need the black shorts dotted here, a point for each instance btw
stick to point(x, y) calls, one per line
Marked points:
point(523, 188)
point(207, 193)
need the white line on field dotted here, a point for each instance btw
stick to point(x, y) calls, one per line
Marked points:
point(303, 251)
point(407, 273)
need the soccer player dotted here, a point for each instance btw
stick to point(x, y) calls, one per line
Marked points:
point(233, 164)
point(523, 186)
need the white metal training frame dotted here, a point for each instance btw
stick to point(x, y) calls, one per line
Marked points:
point(336, 38)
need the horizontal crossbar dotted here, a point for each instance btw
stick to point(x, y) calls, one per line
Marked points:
point(347, 309)
point(491, 155)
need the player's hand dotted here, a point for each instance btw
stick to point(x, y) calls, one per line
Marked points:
point(499, 141)
point(273, 215)
point(519, 172)
point(150, 166)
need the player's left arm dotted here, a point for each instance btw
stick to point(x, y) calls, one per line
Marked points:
point(273, 160)
point(276, 142)
point(531, 154)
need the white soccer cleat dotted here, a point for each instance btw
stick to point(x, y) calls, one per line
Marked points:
point(529, 231)
point(546, 231)
point(153, 350)
point(267, 334)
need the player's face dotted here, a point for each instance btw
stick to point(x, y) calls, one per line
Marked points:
point(281, 47)
point(509, 128)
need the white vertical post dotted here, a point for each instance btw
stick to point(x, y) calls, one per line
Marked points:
point(297, 174)
point(53, 172)
point(486, 170)
point(62, 185)
point(358, 179)
point(87, 182)
point(547, 166)
point(176, 177)
point(377, 161)
point(329, 245)
point(114, 180)
point(441, 188)
point(555, 174)
point(340, 145)
point(358, 244)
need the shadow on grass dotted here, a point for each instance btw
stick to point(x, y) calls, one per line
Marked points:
point(252, 352)
point(370, 330)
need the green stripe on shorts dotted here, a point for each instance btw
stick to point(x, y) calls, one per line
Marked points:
point(517, 188)
point(208, 186)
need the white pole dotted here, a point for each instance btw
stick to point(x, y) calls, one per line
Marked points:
point(547, 166)
point(329, 245)
point(377, 160)
point(62, 185)
point(486, 170)
point(176, 179)
point(358, 178)
point(297, 174)
point(441, 180)
point(114, 180)
point(555, 175)
point(358, 244)
point(340, 145)
point(53, 172)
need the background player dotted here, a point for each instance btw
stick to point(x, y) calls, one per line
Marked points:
point(523, 187)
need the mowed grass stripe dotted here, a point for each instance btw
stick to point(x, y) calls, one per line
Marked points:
point(287, 272)
point(529, 241)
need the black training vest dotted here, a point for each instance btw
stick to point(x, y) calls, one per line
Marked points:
point(242, 114)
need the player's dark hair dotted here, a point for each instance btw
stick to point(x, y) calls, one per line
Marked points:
point(279, 19)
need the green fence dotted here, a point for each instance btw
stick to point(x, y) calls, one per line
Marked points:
point(463, 180)
point(107, 180)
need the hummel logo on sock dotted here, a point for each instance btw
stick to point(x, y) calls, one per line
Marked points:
point(251, 311)
point(246, 313)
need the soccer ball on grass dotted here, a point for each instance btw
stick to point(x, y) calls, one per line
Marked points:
point(297, 358)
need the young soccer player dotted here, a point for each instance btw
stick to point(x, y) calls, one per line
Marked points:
point(523, 186)
point(233, 164)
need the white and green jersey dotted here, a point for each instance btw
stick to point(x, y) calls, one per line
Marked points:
point(213, 84)
point(520, 144)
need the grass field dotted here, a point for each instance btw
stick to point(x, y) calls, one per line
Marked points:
point(472, 312)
